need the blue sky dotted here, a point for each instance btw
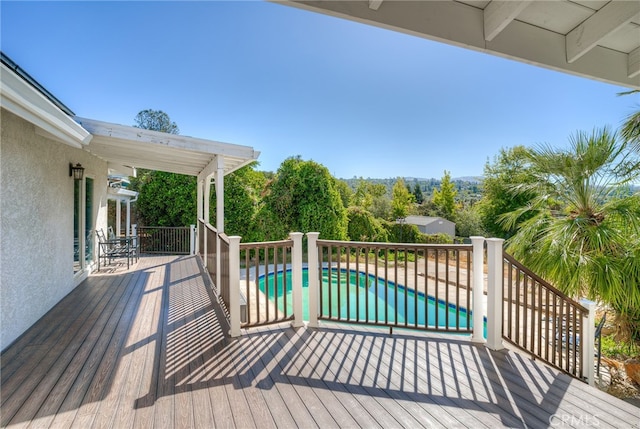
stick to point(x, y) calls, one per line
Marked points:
point(360, 100)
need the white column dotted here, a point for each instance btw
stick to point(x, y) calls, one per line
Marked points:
point(478, 306)
point(219, 174)
point(296, 278)
point(200, 198)
point(118, 217)
point(206, 217)
point(220, 195)
point(234, 285)
point(207, 198)
point(193, 240)
point(587, 341)
point(495, 279)
point(134, 234)
point(128, 231)
point(200, 214)
point(313, 272)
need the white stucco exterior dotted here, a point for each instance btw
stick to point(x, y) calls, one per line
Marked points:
point(36, 226)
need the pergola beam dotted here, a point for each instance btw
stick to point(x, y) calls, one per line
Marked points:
point(610, 18)
point(498, 14)
point(634, 63)
point(375, 4)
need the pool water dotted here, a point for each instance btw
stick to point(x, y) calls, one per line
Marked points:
point(352, 288)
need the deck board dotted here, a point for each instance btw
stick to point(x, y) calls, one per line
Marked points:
point(148, 348)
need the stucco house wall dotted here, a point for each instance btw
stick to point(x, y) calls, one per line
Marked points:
point(36, 222)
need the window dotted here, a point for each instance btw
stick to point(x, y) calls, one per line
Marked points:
point(89, 226)
point(83, 223)
point(77, 214)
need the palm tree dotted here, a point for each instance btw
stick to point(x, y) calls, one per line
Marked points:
point(582, 227)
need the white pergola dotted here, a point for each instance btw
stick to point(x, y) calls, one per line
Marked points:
point(597, 39)
point(126, 148)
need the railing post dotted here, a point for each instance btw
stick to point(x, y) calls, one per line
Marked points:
point(495, 279)
point(588, 341)
point(296, 278)
point(234, 286)
point(193, 237)
point(134, 234)
point(313, 272)
point(478, 306)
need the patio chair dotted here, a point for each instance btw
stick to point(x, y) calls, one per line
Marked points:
point(115, 248)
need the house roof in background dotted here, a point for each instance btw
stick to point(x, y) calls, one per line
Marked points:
point(598, 39)
point(424, 220)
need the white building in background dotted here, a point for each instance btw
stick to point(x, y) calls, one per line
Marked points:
point(432, 225)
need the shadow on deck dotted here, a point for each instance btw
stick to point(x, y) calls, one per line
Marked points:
point(148, 348)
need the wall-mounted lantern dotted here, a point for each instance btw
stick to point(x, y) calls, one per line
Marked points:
point(76, 171)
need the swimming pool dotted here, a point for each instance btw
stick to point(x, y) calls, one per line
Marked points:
point(350, 295)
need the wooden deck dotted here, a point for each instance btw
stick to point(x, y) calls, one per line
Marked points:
point(147, 348)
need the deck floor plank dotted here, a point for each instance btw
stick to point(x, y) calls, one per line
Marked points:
point(69, 388)
point(34, 390)
point(281, 353)
point(148, 348)
point(298, 367)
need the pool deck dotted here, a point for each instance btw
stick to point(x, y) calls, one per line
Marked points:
point(148, 348)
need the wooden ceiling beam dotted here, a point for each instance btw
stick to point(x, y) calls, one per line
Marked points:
point(498, 14)
point(610, 18)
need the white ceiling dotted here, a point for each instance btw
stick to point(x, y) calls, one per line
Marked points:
point(597, 39)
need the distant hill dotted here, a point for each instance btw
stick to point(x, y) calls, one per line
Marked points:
point(469, 188)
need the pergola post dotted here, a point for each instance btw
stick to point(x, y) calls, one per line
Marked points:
point(219, 183)
point(118, 217)
point(200, 209)
point(128, 231)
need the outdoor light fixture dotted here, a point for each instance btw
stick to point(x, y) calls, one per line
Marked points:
point(76, 171)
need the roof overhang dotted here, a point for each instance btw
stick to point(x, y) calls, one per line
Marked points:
point(595, 39)
point(121, 194)
point(132, 147)
point(22, 99)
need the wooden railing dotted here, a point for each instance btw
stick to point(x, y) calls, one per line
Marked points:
point(265, 281)
point(211, 255)
point(225, 288)
point(418, 286)
point(541, 320)
point(201, 237)
point(166, 240)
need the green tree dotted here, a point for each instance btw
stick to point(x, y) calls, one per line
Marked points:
point(303, 197)
point(242, 200)
point(166, 199)
point(469, 222)
point(582, 232)
point(155, 120)
point(444, 199)
point(363, 226)
point(509, 169)
point(346, 194)
point(417, 194)
point(401, 200)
